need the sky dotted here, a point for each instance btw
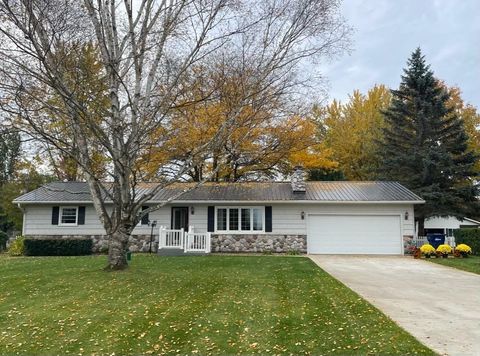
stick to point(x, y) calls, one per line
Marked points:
point(386, 32)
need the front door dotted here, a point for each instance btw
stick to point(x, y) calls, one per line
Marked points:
point(180, 218)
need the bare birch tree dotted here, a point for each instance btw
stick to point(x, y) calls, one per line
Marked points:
point(147, 51)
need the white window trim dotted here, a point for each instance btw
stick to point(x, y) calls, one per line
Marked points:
point(239, 232)
point(60, 213)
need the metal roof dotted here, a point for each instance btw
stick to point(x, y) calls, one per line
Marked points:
point(337, 191)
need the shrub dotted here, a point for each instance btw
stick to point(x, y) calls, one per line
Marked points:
point(58, 247)
point(444, 249)
point(17, 246)
point(293, 252)
point(463, 250)
point(3, 240)
point(427, 249)
point(470, 237)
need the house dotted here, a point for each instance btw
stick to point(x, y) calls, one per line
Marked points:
point(338, 217)
point(446, 225)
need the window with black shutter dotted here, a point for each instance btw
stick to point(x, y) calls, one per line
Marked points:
point(211, 219)
point(55, 214)
point(81, 215)
point(268, 219)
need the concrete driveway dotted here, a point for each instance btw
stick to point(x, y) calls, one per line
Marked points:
point(438, 305)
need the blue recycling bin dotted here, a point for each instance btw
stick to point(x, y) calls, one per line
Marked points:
point(436, 239)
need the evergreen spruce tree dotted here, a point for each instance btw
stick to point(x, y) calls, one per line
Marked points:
point(425, 146)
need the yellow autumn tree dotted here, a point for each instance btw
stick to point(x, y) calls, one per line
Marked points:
point(470, 117)
point(257, 144)
point(83, 68)
point(351, 131)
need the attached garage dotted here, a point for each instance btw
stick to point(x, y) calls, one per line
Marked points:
point(354, 234)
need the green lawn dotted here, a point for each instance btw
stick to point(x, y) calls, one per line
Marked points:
point(470, 264)
point(187, 305)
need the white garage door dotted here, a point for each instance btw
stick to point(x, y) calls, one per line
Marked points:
point(354, 234)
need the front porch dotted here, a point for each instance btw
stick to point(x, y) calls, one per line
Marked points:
point(175, 242)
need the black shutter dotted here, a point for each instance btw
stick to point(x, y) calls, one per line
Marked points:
point(268, 219)
point(55, 213)
point(145, 218)
point(81, 215)
point(211, 219)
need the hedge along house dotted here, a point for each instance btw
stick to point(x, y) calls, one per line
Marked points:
point(316, 217)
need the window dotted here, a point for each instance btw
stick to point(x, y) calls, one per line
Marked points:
point(68, 216)
point(257, 219)
point(222, 219)
point(240, 219)
point(449, 232)
point(245, 219)
point(232, 219)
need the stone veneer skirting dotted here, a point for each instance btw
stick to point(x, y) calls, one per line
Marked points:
point(220, 242)
point(408, 244)
point(259, 243)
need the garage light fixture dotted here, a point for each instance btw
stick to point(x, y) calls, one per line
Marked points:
point(302, 215)
point(192, 210)
point(406, 215)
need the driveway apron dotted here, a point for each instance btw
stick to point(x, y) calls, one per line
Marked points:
point(438, 305)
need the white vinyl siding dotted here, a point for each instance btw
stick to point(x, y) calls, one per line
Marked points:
point(286, 218)
point(450, 222)
point(38, 221)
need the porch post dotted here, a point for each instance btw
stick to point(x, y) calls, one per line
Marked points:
point(208, 243)
point(161, 236)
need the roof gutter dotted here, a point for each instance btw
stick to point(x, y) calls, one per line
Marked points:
point(473, 221)
point(244, 202)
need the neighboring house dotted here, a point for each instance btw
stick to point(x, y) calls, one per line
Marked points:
point(446, 225)
point(314, 217)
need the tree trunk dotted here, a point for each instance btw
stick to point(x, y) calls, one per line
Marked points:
point(196, 174)
point(117, 251)
point(214, 168)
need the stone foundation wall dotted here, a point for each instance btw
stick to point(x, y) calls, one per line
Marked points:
point(137, 243)
point(408, 245)
point(220, 243)
point(258, 243)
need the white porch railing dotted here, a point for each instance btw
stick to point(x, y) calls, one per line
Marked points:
point(450, 240)
point(170, 238)
point(197, 242)
point(420, 240)
point(188, 241)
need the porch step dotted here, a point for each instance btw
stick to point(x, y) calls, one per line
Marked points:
point(177, 252)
